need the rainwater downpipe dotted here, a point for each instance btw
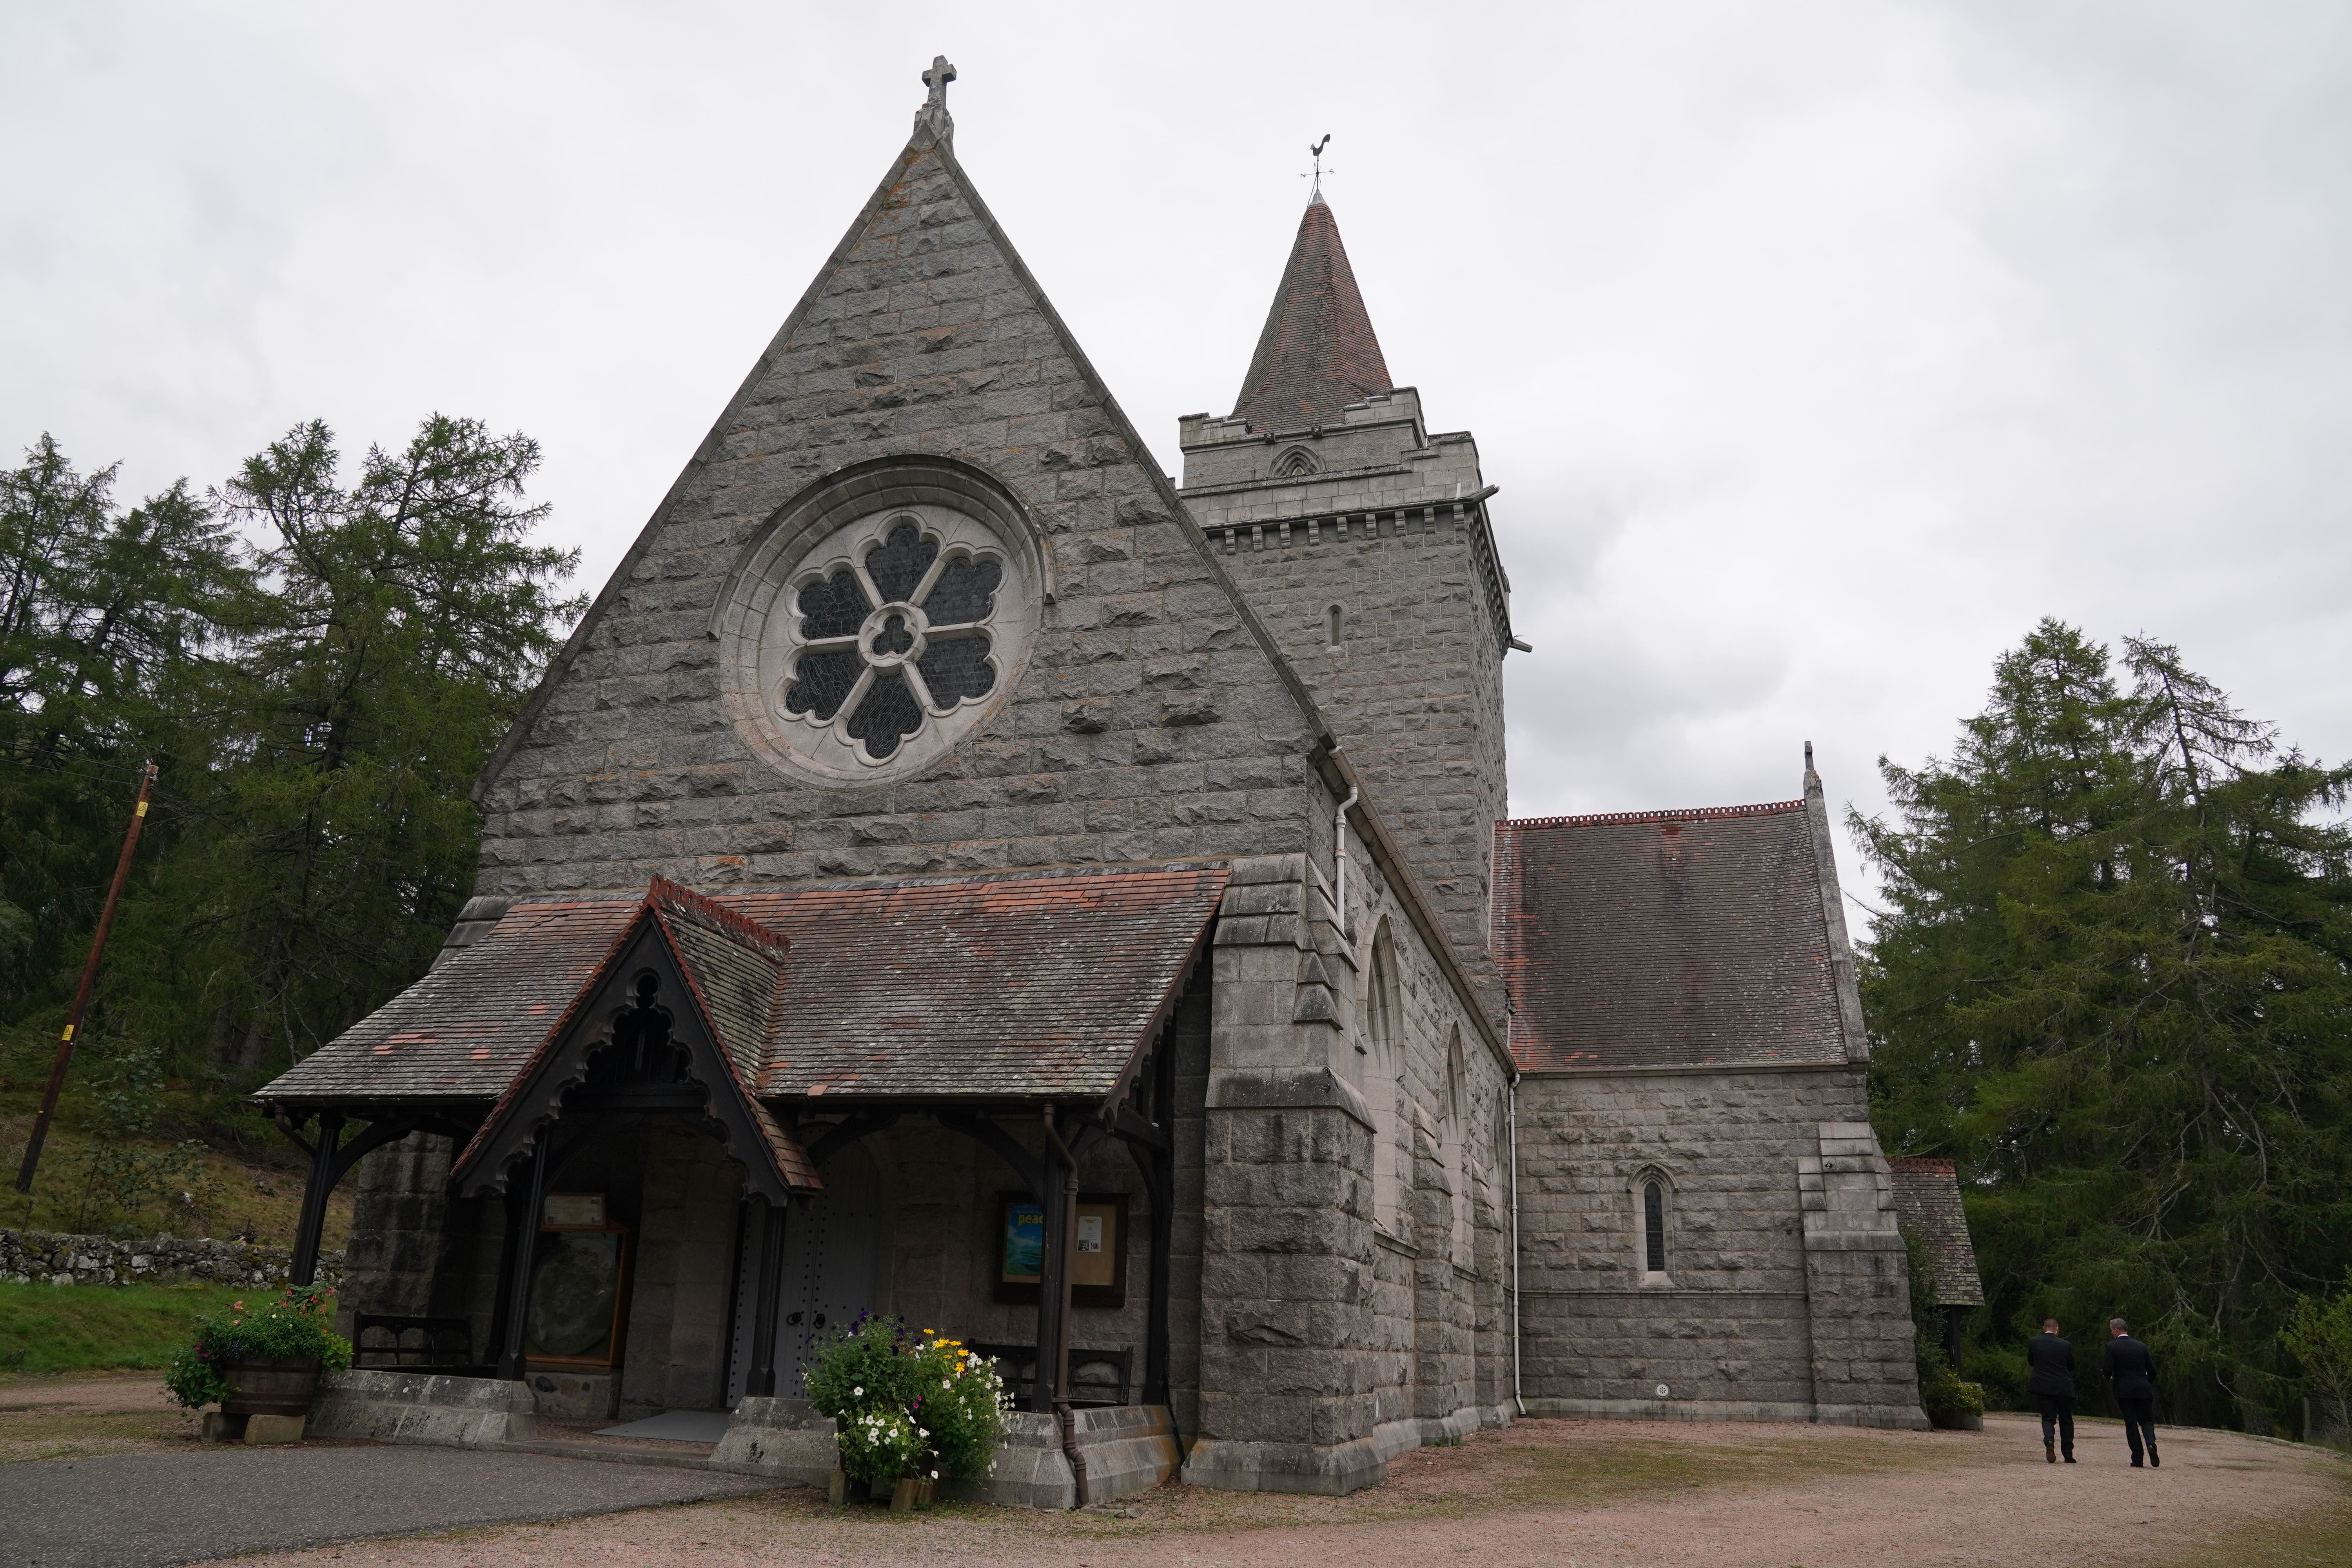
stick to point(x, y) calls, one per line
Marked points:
point(1339, 855)
point(1063, 1417)
point(1511, 1093)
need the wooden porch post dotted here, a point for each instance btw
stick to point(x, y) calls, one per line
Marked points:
point(313, 1219)
point(1059, 1221)
point(1161, 1178)
point(762, 1379)
point(525, 1243)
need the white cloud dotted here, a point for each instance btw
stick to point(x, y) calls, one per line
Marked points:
point(1819, 348)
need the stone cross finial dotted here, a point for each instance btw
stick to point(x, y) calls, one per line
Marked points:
point(932, 121)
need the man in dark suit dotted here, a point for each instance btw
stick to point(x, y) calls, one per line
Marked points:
point(2131, 1373)
point(2049, 1378)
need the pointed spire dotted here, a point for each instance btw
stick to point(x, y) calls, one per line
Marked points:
point(1317, 352)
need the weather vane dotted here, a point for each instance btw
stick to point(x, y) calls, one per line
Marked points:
point(1316, 192)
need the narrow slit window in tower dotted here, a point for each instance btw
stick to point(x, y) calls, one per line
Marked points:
point(1334, 625)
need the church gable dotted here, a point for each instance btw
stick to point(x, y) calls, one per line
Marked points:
point(921, 603)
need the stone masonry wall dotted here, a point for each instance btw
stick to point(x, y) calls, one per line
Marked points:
point(684, 1272)
point(1149, 724)
point(1329, 1342)
point(54, 1257)
point(1732, 1329)
point(1414, 689)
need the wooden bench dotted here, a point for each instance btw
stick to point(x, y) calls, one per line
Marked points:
point(388, 1339)
point(1097, 1376)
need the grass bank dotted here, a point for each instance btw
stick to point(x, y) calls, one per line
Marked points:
point(81, 1328)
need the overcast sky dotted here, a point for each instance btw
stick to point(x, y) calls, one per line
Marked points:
point(1818, 349)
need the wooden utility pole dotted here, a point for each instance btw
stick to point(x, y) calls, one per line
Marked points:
point(81, 997)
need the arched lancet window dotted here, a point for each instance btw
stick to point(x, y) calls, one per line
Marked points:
point(1333, 629)
point(1457, 1145)
point(1653, 1227)
point(1294, 463)
point(1383, 1082)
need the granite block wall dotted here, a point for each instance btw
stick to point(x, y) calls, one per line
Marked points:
point(1766, 1308)
point(683, 1275)
point(1413, 688)
point(1150, 722)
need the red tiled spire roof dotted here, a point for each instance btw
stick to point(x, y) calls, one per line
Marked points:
point(1318, 354)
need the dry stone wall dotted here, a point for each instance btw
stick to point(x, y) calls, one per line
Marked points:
point(54, 1257)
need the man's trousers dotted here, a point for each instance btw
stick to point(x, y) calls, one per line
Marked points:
point(2058, 1422)
point(2139, 1417)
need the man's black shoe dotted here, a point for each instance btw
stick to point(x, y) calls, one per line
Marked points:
point(2070, 1458)
point(2049, 1451)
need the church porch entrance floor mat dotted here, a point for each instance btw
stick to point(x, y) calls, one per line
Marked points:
point(673, 1426)
point(140, 1510)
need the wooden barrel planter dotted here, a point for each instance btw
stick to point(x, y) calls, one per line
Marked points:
point(279, 1387)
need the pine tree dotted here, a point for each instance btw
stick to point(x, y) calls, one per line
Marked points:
point(2111, 982)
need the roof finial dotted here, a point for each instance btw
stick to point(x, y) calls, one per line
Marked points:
point(1315, 194)
point(933, 116)
point(1809, 759)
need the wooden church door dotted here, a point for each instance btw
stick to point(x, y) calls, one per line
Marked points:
point(832, 1265)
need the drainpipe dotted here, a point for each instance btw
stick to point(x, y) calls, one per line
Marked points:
point(1339, 855)
point(1511, 1091)
point(1061, 1349)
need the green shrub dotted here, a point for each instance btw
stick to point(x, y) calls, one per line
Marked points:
point(909, 1405)
point(297, 1323)
point(1942, 1393)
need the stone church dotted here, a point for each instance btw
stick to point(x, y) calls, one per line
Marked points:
point(955, 870)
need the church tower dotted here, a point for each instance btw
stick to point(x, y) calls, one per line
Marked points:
point(1362, 542)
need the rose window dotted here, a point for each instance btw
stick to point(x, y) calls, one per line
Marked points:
point(896, 637)
point(887, 640)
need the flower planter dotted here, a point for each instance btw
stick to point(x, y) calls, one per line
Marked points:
point(281, 1386)
point(910, 1494)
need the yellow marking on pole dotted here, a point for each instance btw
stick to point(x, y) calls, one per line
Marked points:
point(143, 808)
point(68, 1034)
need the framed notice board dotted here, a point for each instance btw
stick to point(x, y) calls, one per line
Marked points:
point(1097, 1263)
point(579, 1279)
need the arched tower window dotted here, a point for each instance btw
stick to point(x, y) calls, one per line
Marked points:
point(1333, 629)
point(1653, 1227)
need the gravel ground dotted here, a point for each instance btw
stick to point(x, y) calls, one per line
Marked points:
point(79, 1416)
point(1563, 1494)
point(129, 1510)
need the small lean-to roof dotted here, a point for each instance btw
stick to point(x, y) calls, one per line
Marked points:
point(1927, 1200)
point(1014, 987)
point(1667, 939)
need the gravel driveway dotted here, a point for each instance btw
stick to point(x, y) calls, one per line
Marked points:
point(130, 1510)
point(1561, 1494)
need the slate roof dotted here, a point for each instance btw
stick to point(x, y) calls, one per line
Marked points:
point(1665, 938)
point(1014, 987)
point(1927, 1200)
point(1317, 352)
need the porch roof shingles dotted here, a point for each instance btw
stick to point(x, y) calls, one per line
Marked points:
point(1020, 987)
